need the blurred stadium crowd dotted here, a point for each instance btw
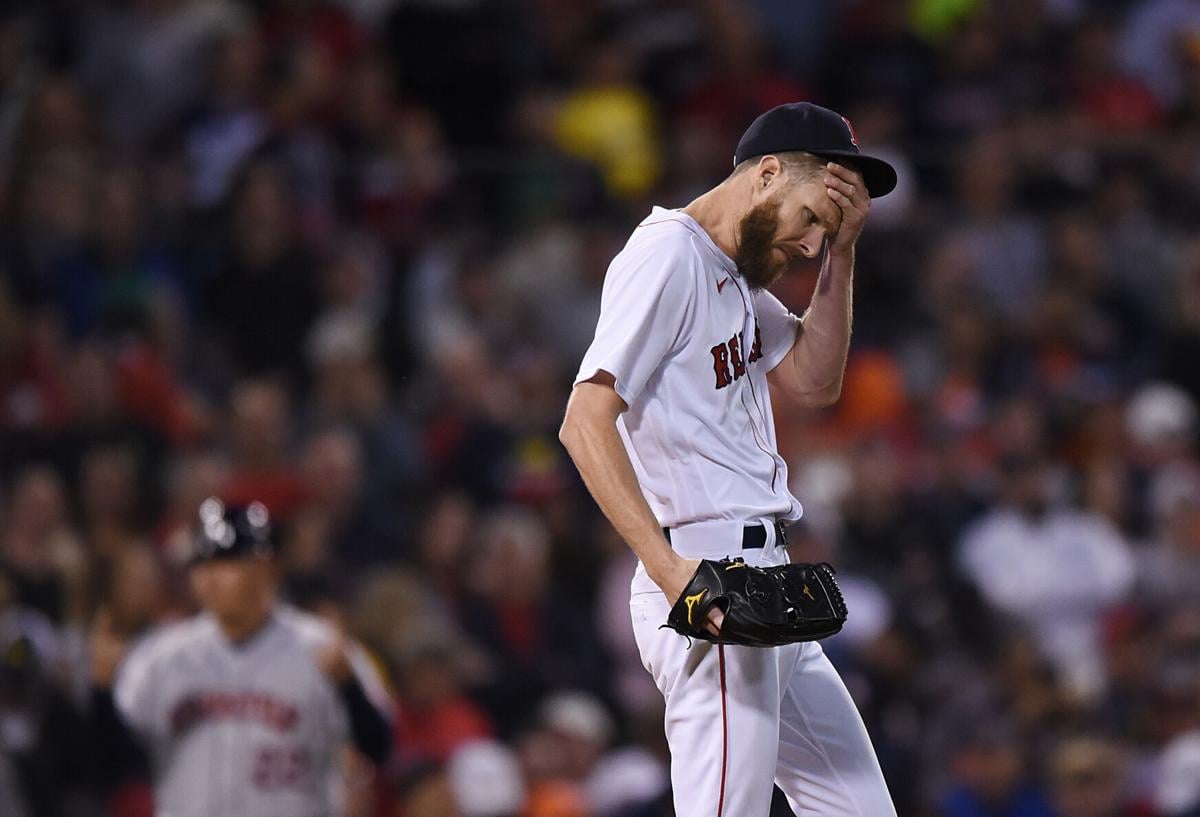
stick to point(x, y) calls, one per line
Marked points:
point(343, 256)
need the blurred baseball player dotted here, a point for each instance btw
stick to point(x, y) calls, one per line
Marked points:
point(670, 426)
point(244, 709)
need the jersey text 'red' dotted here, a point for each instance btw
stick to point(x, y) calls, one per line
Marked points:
point(675, 317)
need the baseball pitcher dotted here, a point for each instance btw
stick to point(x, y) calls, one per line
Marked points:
point(670, 425)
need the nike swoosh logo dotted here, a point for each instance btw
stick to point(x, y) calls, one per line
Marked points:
point(721, 284)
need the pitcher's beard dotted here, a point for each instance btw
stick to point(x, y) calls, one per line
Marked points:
point(756, 237)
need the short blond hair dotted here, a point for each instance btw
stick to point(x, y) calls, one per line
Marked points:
point(800, 166)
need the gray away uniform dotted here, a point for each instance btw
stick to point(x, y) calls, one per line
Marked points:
point(247, 730)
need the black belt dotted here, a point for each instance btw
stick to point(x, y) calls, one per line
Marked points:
point(754, 536)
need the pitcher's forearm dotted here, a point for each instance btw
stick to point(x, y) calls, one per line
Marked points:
point(600, 456)
point(819, 359)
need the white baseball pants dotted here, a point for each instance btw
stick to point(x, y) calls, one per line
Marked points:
point(741, 718)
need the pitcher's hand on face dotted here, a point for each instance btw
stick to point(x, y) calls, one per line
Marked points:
point(676, 578)
point(849, 193)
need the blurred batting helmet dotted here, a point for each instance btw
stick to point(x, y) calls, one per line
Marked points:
point(232, 532)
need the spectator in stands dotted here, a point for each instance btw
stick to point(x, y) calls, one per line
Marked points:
point(1089, 779)
point(989, 775)
point(1053, 569)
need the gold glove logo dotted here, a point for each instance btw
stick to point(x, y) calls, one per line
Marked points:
point(692, 601)
point(808, 593)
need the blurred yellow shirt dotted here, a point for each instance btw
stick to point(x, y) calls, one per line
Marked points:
point(613, 127)
point(935, 20)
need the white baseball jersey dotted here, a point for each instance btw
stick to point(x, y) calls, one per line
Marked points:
point(249, 730)
point(690, 345)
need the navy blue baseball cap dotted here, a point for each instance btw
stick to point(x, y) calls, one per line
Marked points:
point(232, 532)
point(810, 128)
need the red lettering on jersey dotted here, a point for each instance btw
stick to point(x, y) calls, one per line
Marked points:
point(735, 355)
point(756, 349)
point(730, 353)
point(721, 365)
point(211, 706)
point(280, 767)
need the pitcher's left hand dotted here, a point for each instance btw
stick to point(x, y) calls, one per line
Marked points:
point(849, 193)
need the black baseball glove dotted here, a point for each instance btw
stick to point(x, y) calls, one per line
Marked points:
point(763, 606)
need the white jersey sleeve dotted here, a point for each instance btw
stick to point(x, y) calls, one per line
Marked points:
point(778, 327)
point(645, 309)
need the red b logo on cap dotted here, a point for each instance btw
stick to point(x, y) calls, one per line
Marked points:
point(849, 127)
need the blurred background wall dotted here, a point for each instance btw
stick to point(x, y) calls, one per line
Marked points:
point(343, 256)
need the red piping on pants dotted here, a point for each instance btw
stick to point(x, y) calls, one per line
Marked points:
point(724, 730)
